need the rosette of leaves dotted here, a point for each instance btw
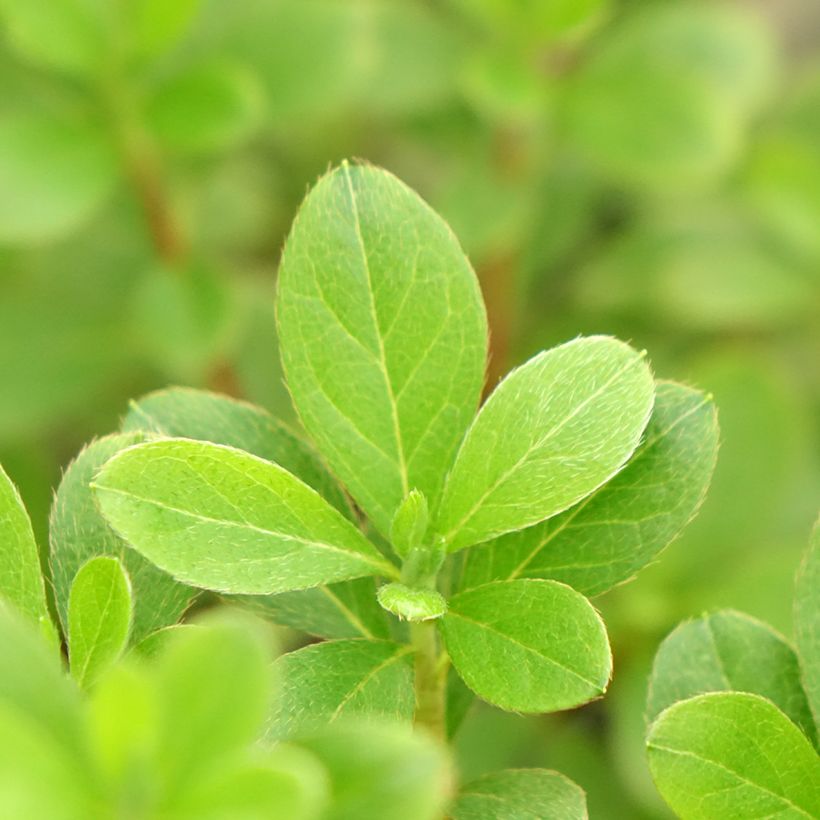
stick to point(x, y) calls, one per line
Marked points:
point(736, 712)
point(414, 531)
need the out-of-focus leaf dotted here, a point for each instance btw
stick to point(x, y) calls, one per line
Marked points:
point(99, 618)
point(807, 621)
point(335, 680)
point(733, 755)
point(206, 109)
point(78, 533)
point(156, 25)
point(496, 637)
point(728, 651)
point(54, 174)
point(553, 431)
point(522, 794)
point(381, 772)
point(21, 577)
point(605, 539)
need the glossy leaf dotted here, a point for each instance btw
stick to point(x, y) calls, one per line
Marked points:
point(99, 618)
point(528, 645)
point(520, 794)
point(225, 520)
point(733, 755)
point(410, 523)
point(553, 431)
point(78, 532)
point(610, 535)
point(807, 622)
point(728, 651)
point(374, 291)
point(334, 680)
point(21, 578)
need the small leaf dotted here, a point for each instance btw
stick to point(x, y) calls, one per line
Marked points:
point(374, 291)
point(327, 681)
point(527, 645)
point(99, 618)
point(553, 431)
point(521, 794)
point(409, 524)
point(728, 651)
point(610, 535)
point(733, 755)
point(78, 532)
point(54, 174)
point(411, 604)
point(381, 772)
point(225, 520)
point(21, 578)
point(807, 621)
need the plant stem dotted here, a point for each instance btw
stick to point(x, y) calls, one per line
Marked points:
point(431, 677)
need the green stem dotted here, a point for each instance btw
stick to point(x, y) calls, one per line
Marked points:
point(431, 678)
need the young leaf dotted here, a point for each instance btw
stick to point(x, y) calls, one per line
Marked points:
point(380, 771)
point(21, 578)
point(528, 645)
point(409, 524)
point(610, 535)
point(807, 622)
point(222, 519)
point(410, 603)
point(728, 651)
point(523, 794)
point(186, 413)
point(78, 532)
point(99, 618)
point(733, 755)
point(553, 431)
point(374, 291)
point(327, 681)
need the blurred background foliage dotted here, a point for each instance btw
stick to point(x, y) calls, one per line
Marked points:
point(648, 168)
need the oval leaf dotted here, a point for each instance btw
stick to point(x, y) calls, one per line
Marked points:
point(807, 622)
point(383, 336)
point(99, 618)
point(728, 651)
point(552, 432)
point(336, 679)
point(610, 535)
point(733, 755)
point(222, 519)
point(527, 645)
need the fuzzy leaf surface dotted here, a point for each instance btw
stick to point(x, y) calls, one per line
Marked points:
point(324, 682)
point(733, 755)
point(223, 519)
point(725, 652)
point(553, 431)
point(610, 535)
point(807, 622)
point(78, 532)
point(528, 645)
point(383, 336)
point(521, 794)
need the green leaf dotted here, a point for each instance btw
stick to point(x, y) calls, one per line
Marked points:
point(553, 431)
point(222, 519)
point(807, 621)
point(528, 645)
point(21, 578)
point(733, 755)
point(198, 414)
point(409, 524)
point(78, 532)
point(157, 25)
point(213, 684)
point(521, 794)
point(610, 535)
point(375, 294)
point(381, 772)
point(411, 604)
point(99, 618)
point(54, 174)
point(338, 679)
point(728, 651)
point(206, 109)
